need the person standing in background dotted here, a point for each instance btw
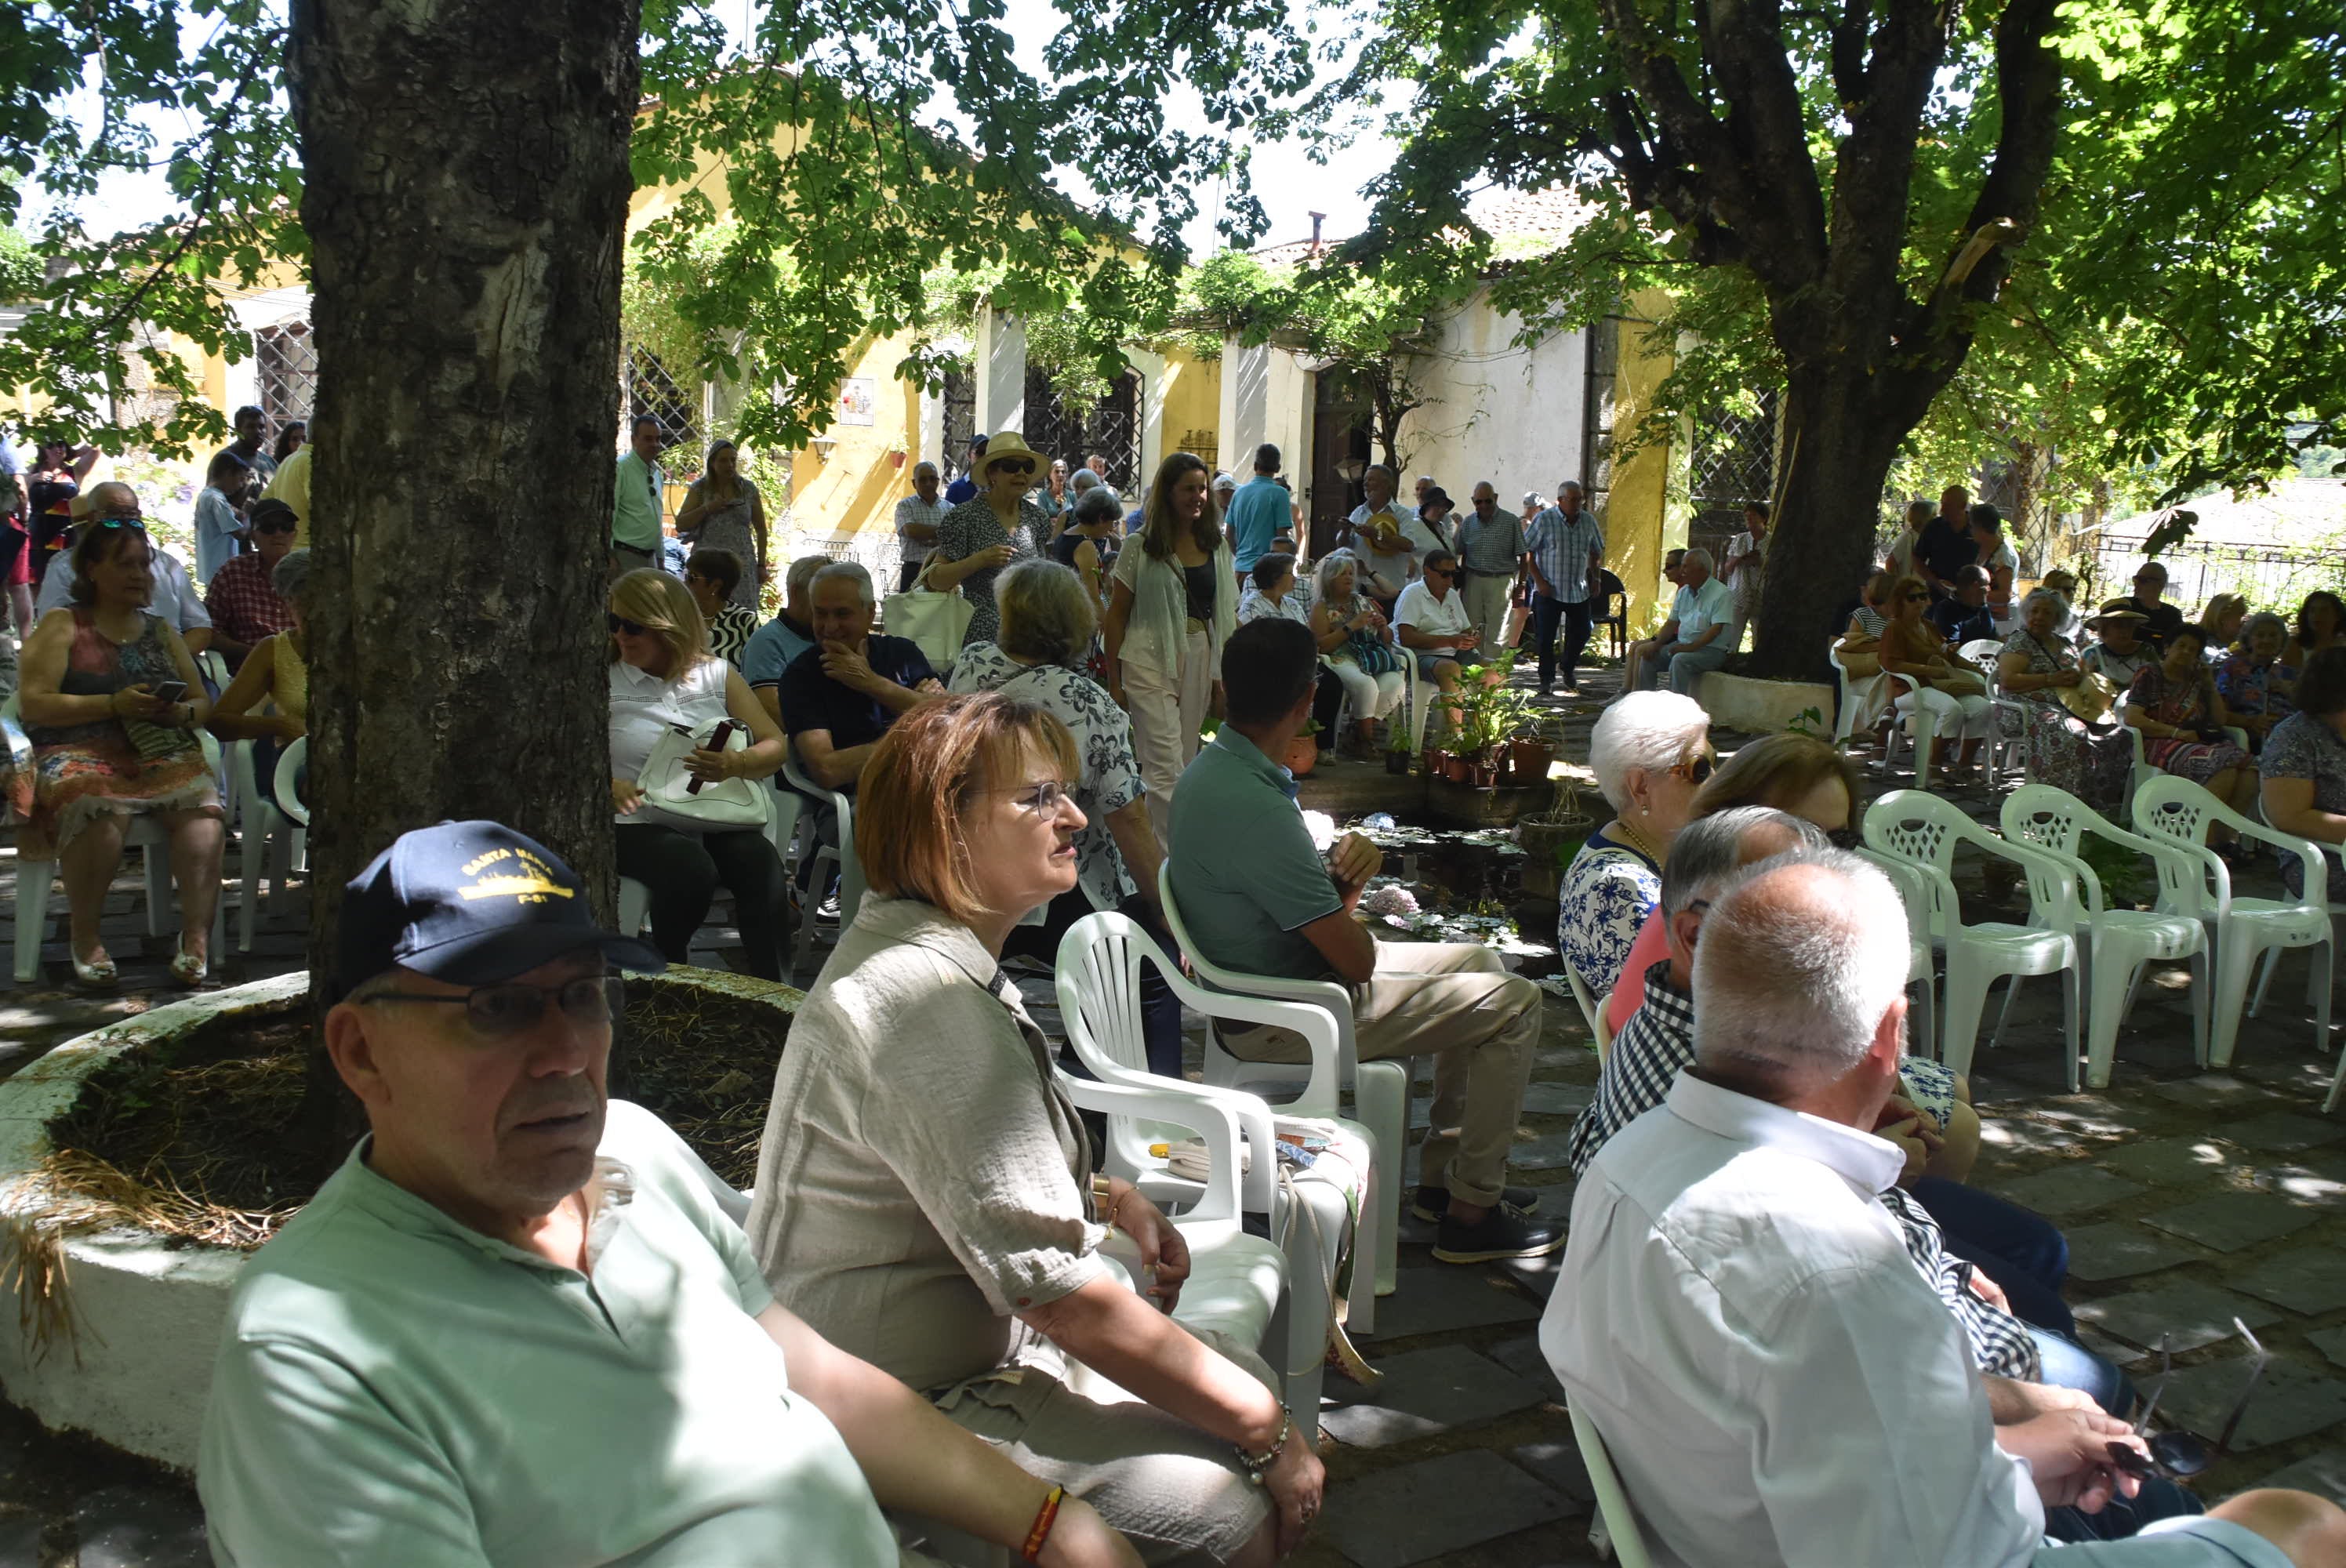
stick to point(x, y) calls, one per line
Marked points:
point(1258, 509)
point(1490, 558)
point(634, 498)
point(1566, 553)
point(917, 517)
point(1746, 558)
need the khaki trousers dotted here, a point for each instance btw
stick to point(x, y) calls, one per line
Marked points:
point(1167, 706)
point(1486, 611)
point(1452, 1001)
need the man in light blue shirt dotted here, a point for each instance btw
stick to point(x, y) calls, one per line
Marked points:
point(1258, 512)
point(636, 499)
point(1566, 553)
point(1693, 641)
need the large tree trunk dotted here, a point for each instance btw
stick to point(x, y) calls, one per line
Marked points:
point(466, 184)
point(1837, 449)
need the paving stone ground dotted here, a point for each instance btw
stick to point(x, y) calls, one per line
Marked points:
point(2191, 1199)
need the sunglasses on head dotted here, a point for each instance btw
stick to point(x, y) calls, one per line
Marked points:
point(621, 623)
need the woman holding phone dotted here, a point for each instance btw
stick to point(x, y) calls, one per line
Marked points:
point(111, 704)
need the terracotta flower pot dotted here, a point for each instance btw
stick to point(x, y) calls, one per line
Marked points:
point(1302, 755)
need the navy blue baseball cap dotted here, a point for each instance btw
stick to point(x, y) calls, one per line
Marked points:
point(472, 903)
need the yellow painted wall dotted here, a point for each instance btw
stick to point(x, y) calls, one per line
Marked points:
point(1639, 527)
point(854, 487)
point(1193, 402)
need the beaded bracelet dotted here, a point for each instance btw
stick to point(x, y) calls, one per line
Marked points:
point(1045, 1518)
point(1259, 1465)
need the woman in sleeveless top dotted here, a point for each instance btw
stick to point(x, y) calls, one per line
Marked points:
point(662, 674)
point(277, 672)
point(110, 742)
point(723, 510)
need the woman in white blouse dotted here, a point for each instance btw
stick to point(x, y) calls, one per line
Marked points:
point(663, 675)
point(1174, 605)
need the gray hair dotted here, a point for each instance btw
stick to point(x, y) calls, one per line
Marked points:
point(925, 466)
point(1701, 555)
point(844, 572)
point(1325, 573)
point(1802, 956)
point(2264, 619)
point(1710, 849)
point(1649, 729)
point(290, 576)
point(1572, 484)
point(2050, 597)
point(1046, 613)
point(1099, 504)
point(1082, 481)
point(802, 573)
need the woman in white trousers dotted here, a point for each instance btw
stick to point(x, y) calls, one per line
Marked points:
point(1921, 664)
point(1173, 605)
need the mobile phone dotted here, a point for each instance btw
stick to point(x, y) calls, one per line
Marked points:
point(171, 692)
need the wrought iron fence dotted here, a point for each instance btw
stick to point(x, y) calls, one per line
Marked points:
point(285, 358)
point(1110, 427)
point(2269, 576)
point(652, 391)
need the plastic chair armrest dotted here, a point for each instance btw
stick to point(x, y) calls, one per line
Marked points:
point(2308, 853)
point(1215, 1124)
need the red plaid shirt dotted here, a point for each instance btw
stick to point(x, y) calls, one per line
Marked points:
point(244, 606)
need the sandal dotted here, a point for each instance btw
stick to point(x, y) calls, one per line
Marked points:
point(98, 974)
point(189, 970)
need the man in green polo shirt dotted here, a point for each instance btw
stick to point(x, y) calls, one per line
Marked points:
point(635, 498)
point(1257, 898)
point(521, 1326)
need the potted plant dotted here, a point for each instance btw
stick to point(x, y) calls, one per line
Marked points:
point(1304, 750)
point(1397, 747)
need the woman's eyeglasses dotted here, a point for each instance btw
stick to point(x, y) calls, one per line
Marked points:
point(1044, 799)
point(1009, 465)
point(499, 1011)
point(1695, 770)
point(621, 623)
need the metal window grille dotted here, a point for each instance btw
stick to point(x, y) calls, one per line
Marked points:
point(1734, 462)
point(286, 358)
point(960, 419)
point(652, 391)
point(1111, 428)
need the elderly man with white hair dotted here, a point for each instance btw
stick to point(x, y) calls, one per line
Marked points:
point(1739, 1319)
point(1693, 641)
point(791, 633)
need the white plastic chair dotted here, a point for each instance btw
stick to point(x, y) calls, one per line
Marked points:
point(1923, 831)
point(265, 829)
point(1421, 691)
point(1381, 1089)
point(1845, 710)
point(1922, 960)
point(1604, 1028)
point(841, 855)
point(2118, 943)
point(142, 833)
point(1614, 1532)
point(1984, 652)
point(1922, 726)
point(2144, 772)
point(781, 821)
point(1591, 1013)
point(2199, 885)
point(1098, 982)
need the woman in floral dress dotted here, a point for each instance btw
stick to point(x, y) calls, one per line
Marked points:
point(1000, 524)
point(2090, 762)
point(2182, 717)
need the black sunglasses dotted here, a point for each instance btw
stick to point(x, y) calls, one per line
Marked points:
point(1695, 770)
point(276, 525)
point(1009, 465)
point(499, 1011)
point(621, 623)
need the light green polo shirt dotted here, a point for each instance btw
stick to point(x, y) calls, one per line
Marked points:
point(395, 1388)
point(1246, 878)
point(636, 502)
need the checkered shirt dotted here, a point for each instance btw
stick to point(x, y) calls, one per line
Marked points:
point(1559, 545)
point(1646, 1057)
point(243, 607)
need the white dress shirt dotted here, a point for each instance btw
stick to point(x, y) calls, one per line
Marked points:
point(174, 599)
point(1773, 1380)
point(1418, 607)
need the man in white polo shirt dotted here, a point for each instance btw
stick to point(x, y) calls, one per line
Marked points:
point(1738, 1318)
point(521, 1327)
point(1432, 620)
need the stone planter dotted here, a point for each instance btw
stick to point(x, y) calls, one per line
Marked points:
point(148, 1312)
point(1462, 805)
point(1762, 707)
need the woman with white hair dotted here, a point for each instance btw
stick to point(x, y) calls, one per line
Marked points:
point(1047, 618)
point(2037, 665)
point(1650, 751)
point(1356, 643)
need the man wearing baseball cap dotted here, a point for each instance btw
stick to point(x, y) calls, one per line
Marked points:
point(521, 1324)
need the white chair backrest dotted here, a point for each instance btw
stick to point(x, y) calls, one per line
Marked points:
point(1612, 1499)
point(1099, 979)
point(1914, 890)
point(289, 763)
point(1916, 827)
point(2180, 812)
point(1925, 829)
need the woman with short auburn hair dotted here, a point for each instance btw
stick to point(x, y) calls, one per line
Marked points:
point(925, 1197)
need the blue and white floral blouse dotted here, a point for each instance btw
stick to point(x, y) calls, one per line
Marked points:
point(1608, 891)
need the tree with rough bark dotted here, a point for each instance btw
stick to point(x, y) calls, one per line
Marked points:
point(1848, 198)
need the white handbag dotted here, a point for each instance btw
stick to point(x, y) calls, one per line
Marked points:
point(719, 804)
point(933, 621)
